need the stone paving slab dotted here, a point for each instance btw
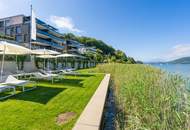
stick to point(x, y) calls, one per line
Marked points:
point(90, 119)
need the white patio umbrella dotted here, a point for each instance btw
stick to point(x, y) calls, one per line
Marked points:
point(46, 56)
point(44, 52)
point(11, 49)
point(66, 55)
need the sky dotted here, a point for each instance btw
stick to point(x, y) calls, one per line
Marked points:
point(148, 30)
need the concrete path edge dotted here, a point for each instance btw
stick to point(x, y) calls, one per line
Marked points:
point(91, 117)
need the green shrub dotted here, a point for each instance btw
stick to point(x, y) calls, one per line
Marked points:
point(2, 36)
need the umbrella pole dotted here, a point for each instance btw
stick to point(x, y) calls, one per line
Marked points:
point(44, 59)
point(44, 63)
point(66, 63)
point(48, 60)
point(56, 63)
point(2, 63)
point(16, 63)
point(47, 64)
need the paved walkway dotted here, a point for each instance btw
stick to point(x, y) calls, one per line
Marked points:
point(91, 117)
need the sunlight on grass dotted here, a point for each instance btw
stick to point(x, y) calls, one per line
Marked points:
point(38, 109)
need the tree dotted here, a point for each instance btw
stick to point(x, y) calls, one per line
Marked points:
point(104, 52)
point(130, 60)
point(139, 62)
point(113, 59)
point(120, 55)
point(69, 36)
point(99, 56)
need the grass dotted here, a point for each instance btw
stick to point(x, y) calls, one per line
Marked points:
point(38, 109)
point(147, 98)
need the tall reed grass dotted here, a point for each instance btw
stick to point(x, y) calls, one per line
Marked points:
point(149, 99)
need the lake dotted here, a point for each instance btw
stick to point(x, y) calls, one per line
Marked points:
point(182, 69)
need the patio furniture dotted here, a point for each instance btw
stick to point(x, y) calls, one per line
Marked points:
point(11, 49)
point(68, 71)
point(11, 80)
point(48, 73)
point(5, 88)
point(66, 55)
point(46, 76)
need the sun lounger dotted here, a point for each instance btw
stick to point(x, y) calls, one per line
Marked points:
point(5, 88)
point(11, 80)
point(48, 73)
point(68, 72)
point(39, 75)
point(46, 76)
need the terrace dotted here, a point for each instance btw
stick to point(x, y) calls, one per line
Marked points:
point(57, 95)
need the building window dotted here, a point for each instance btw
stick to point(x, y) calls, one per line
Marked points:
point(19, 38)
point(8, 31)
point(18, 30)
point(25, 38)
point(1, 24)
point(7, 22)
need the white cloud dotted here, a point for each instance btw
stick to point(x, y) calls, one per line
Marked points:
point(65, 23)
point(177, 51)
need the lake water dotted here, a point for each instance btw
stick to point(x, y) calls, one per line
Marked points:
point(182, 69)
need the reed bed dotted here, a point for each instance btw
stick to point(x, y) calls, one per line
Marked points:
point(148, 98)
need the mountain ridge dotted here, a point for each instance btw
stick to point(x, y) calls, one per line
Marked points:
point(182, 60)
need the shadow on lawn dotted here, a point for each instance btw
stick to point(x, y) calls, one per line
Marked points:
point(40, 94)
point(63, 82)
point(70, 82)
point(82, 75)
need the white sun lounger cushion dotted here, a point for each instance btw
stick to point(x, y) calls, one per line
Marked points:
point(12, 80)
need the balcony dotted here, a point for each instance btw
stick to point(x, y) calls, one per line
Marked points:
point(48, 27)
point(44, 41)
point(72, 43)
point(47, 35)
point(57, 46)
point(43, 34)
point(41, 24)
point(57, 39)
point(73, 50)
point(55, 33)
point(52, 44)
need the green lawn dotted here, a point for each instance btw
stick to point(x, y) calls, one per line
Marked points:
point(38, 109)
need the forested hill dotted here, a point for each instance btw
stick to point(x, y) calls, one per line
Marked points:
point(184, 60)
point(104, 53)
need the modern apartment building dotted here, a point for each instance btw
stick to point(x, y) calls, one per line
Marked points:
point(87, 50)
point(46, 35)
point(73, 47)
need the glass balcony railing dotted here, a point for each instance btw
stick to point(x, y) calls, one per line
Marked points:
point(57, 45)
point(44, 41)
point(43, 32)
point(55, 32)
point(53, 44)
point(74, 44)
point(41, 23)
point(49, 27)
point(56, 38)
point(50, 36)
